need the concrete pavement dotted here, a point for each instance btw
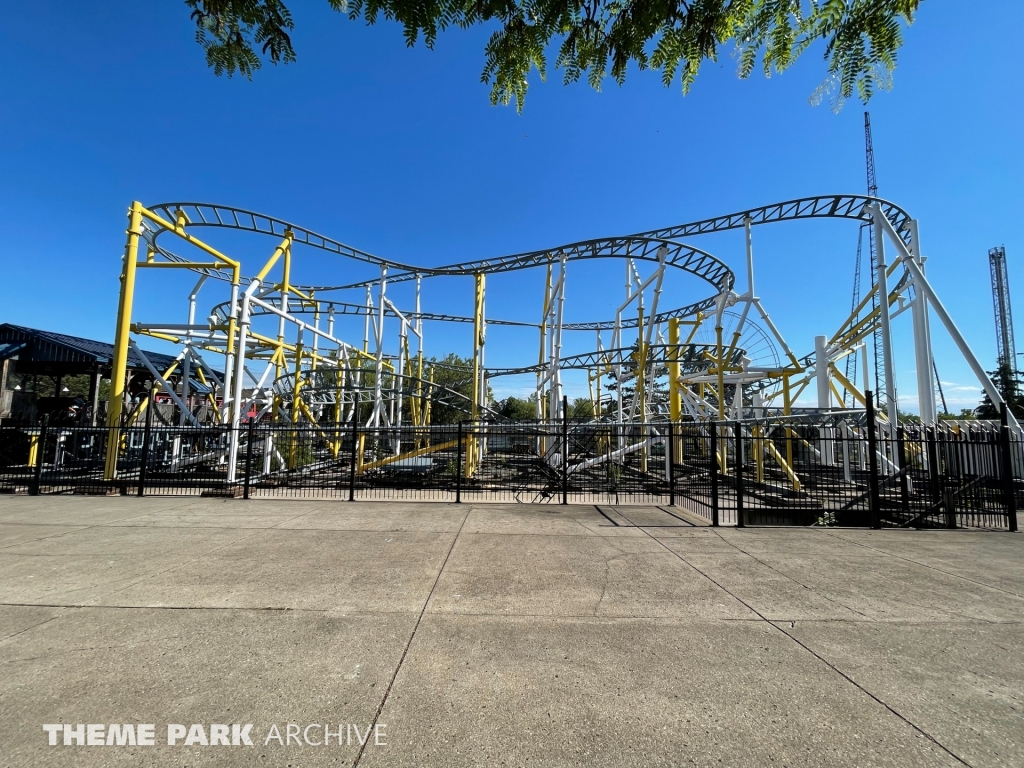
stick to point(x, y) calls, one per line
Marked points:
point(481, 635)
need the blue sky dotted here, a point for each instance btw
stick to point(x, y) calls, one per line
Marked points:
point(398, 151)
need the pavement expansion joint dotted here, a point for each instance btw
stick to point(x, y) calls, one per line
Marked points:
point(824, 661)
point(787, 576)
point(926, 565)
point(412, 636)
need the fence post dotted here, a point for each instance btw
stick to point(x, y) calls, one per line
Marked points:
point(353, 451)
point(458, 467)
point(37, 476)
point(901, 450)
point(714, 475)
point(1007, 461)
point(565, 449)
point(671, 454)
point(738, 469)
point(874, 499)
point(146, 432)
point(934, 479)
point(248, 456)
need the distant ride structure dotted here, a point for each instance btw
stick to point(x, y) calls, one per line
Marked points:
point(1007, 349)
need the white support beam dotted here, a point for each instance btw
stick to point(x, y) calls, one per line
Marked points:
point(922, 341)
point(236, 412)
point(892, 404)
point(921, 283)
point(821, 371)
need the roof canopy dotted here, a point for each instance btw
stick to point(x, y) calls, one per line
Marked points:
point(59, 354)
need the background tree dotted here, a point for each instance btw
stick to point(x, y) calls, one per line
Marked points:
point(966, 414)
point(1008, 383)
point(583, 408)
point(909, 418)
point(518, 408)
point(46, 386)
point(656, 383)
point(455, 373)
point(598, 38)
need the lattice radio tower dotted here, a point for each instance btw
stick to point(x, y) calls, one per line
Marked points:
point(866, 228)
point(876, 337)
point(1001, 301)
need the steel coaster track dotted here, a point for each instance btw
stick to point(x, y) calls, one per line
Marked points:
point(638, 246)
point(228, 217)
point(821, 207)
point(690, 355)
point(684, 257)
point(681, 256)
point(304, 307)
point(320, 387)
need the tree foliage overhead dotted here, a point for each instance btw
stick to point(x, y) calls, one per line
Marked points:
point(598, 38)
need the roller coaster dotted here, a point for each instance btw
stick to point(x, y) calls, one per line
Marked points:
point(278, 353)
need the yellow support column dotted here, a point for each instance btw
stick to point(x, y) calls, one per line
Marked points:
point(721, 371)
point(296, 402)
point(429, 401)
point(281, 364)
point(758, 437)
point(674, 397)
point(336, 444)
point(675, 406)
point(787, 410)
point(297, 386)
point(421, 414)
point(33, 447)
point(119, 363)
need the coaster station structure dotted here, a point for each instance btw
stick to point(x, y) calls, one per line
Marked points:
point(720, 357)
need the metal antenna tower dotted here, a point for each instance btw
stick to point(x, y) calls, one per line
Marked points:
point(938, 387)
point(876, 339)
point(876, 336)
point(1001, 301)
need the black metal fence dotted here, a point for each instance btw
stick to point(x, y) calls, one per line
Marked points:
point(780, 471)
point(840, 473)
